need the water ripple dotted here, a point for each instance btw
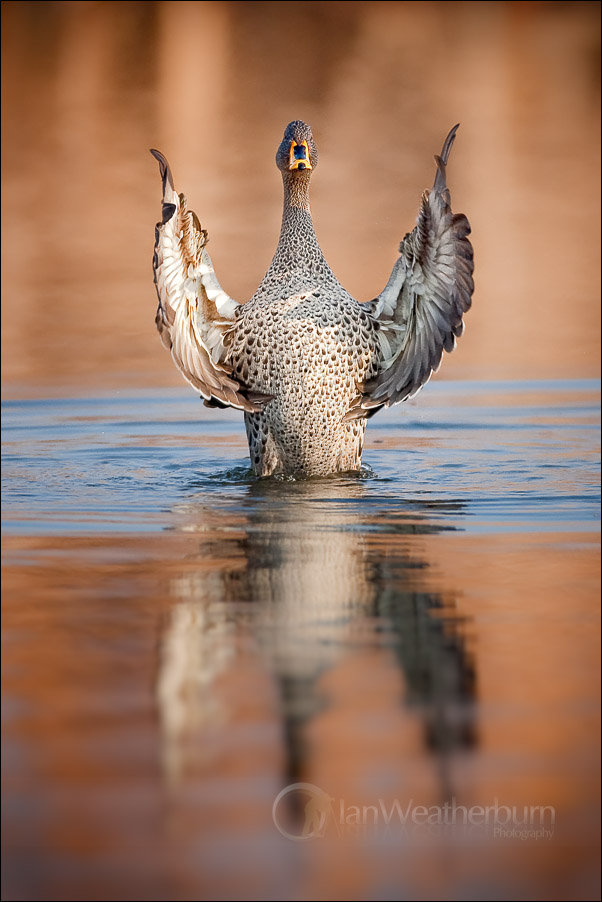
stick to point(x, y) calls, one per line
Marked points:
point(481, 462)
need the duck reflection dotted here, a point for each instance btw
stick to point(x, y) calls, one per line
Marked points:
point(308, 574)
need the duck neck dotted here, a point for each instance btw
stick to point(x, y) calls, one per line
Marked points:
point(298, 251)
point(296, 191)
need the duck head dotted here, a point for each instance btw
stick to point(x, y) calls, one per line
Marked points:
point(297, 152)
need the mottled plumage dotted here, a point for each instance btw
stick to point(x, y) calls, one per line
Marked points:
point(307, 362)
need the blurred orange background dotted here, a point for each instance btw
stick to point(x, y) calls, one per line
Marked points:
point(89, 87)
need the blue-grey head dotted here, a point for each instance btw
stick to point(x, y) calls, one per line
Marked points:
point(297, 151)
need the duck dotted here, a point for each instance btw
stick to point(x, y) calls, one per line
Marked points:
point(306, 362)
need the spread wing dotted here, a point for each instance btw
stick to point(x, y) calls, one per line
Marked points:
point(194, 313)
point(419, 313)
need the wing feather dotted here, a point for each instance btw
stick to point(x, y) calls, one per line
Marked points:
point(420, 311)
point(194, 312)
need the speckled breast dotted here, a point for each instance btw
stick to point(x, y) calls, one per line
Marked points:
point(310, 352)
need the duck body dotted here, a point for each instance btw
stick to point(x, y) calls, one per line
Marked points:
point(306, 361)
point(306, 342)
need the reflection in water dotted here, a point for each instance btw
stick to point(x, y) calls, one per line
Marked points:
point(179, 642)
point(197, 645)
point(318, 576)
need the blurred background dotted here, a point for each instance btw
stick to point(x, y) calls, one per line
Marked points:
point(89, 87)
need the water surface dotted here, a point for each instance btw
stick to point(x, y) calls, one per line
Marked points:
point(182, 640)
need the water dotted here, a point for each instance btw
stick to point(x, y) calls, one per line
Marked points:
point(182, 640)
point(506, 456)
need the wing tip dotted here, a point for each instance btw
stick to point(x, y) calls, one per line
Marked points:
point(441, 159)
point(164, 169)
point(447, 144)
